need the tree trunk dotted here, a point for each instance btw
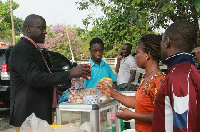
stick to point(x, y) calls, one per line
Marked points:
point(12, 22)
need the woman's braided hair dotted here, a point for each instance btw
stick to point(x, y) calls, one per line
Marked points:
point(151, 44)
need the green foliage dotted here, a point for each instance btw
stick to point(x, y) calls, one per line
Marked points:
point(197, 5)
point(128, 20)
point(117, 27)
point(5, 21)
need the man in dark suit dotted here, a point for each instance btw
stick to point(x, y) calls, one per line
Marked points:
point(32, 83)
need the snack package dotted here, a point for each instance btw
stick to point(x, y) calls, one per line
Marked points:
point(76, 87)
point(76, 96)
point(75, 83)
point(91, 99)
point(86, 96)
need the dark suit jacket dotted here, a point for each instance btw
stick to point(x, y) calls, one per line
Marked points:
point(31, 84)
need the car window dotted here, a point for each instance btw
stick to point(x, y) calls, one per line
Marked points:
point(1, 56)
point(59, 61)
point(1, 61)
point(2, 51)
point(7, 54)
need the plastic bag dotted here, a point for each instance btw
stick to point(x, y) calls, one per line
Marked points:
point(64, 96)
point(34, 124)
point(85, 126)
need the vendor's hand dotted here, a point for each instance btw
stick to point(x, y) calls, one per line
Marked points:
point(82, 70)
point(125, 114)
point(105, 88)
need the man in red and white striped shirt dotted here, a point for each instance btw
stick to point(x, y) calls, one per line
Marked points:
point(177, 101)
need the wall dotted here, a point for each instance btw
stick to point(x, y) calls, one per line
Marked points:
point(110, 61)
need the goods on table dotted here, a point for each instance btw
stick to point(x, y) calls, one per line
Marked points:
point(86, 96)
point(91, 99)
point(77, 83)
point(77, 94)
point(109, 81)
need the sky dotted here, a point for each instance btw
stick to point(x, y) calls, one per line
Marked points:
point(54, 11)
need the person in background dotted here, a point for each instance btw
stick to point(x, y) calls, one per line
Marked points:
point(147, 57)
point(197, 53)
point(177, 102)
point(126, 66)
point(31, 81)
point(99, 69)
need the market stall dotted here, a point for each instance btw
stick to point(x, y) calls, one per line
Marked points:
point(96, 117)
point(129, 93)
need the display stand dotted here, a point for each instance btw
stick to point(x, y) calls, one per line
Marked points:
point(129, 93)
point(99, 117)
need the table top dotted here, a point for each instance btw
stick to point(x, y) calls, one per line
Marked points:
point(87, 107)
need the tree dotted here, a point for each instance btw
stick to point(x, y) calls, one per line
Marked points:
point(12, 21)
point(57, 40)
point(114, 36)
point(145, 15)
point(5, 21)
point(115, 28)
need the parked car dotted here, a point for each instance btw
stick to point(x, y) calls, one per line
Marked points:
point(56, 62)
point(4, 84)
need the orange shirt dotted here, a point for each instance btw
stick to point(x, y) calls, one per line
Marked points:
point(145, 97)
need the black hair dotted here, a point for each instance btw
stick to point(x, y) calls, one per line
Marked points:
point(183, 34)
point(29, 20)
point(151, 44)
point(128, 44)
point(96, 41)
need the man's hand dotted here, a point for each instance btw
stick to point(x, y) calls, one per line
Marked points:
point(82, 70)
point(119, 56)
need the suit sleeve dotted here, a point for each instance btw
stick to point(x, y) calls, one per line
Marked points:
point(32, 71)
